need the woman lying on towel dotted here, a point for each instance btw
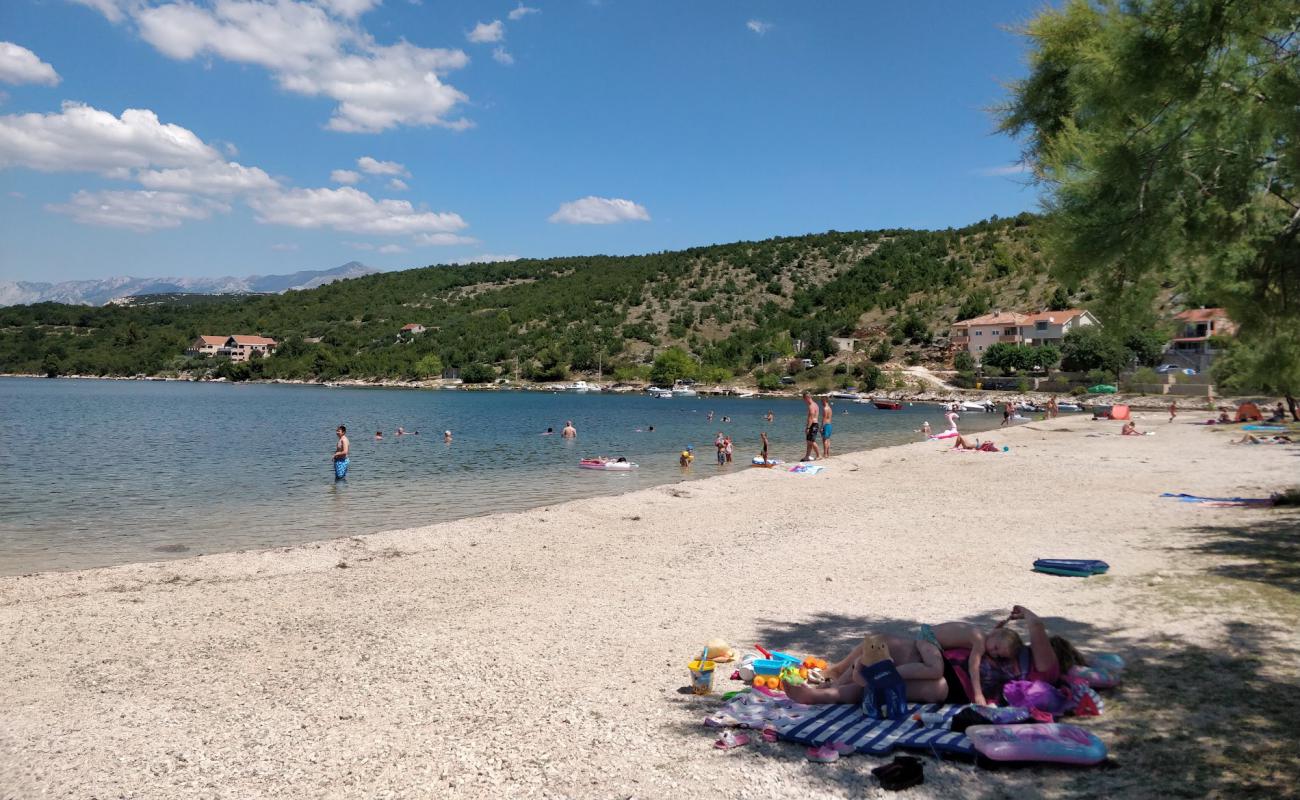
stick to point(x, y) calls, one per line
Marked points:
point(938, 665)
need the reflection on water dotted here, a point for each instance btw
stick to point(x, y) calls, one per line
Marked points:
point(108, 472)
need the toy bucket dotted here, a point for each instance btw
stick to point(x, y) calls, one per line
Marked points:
point(701, 676)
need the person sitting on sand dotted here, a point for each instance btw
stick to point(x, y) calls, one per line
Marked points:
point(1224, 417)
point(1279, 414)
point(919, 663)
point(686, 456)
point(1130, 429)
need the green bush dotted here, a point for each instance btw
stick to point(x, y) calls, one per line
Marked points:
point(1078, 391)
point(963, 361)
point(478, 373)
point(1096, 376)
point(768, 382)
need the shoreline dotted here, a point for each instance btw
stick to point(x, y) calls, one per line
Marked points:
point(541, 653)
point(942, 396)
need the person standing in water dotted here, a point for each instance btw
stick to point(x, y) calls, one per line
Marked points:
point(341, 453)
point(811, 428)
point(569, 431)
point(826, 426)
point(446, 437)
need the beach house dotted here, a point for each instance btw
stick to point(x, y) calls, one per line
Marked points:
point(241, 347)
point(1194, 330)
point(206, 346)
point(413, 329)
point(1041, 328)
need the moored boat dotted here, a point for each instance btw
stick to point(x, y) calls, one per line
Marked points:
point(887, 405)
point(655, 391)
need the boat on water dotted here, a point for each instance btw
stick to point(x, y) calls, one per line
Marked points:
point(854, 396)
point(887, 405)
point(1069, 407)
point(581, 386)
point(971, 405)
point(684, 390)
point(746, 394)
point(655, 391)
point(607, 464)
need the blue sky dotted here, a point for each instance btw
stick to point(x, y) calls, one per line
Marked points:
point(193, 137)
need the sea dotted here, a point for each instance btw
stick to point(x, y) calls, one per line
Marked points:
point(102, 472)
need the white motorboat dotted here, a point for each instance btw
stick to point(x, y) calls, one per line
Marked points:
point(684, 391)
point(581, 386)
point(854, 396)
point(655, 391)
point(970, 405)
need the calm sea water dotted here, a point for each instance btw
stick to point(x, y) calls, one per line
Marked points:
point(108, 472)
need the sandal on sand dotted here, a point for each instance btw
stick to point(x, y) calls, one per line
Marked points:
point(730, 740)
point(825, 754)
point(904, 772)
point(769, 734)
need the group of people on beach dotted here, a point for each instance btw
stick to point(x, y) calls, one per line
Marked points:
point(952, 662)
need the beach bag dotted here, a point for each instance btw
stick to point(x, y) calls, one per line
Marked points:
point(1036, 696)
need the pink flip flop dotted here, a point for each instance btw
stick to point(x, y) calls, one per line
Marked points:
point(825, 754)
point(730, 740)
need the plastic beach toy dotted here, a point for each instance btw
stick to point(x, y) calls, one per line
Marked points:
point(1071, 567)
point(1062, 744)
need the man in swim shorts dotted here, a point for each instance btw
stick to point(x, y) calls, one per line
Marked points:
point(341, 453)
point(826, 427)
point(569, 431)
point(811, 428)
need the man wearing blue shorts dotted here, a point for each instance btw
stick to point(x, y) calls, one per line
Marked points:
point(341, 454)
point(826, 427)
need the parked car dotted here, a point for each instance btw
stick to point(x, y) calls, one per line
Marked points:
point(807, 363)
point(788, 380)
point(1164, 369)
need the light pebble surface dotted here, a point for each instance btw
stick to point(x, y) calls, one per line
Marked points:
point(543, 653)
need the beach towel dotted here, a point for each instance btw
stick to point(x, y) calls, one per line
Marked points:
point(806, 469)
point(842, 724)
point(1221, 502)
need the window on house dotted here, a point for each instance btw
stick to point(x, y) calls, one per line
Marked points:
point(1040, 325)
point(979, 333)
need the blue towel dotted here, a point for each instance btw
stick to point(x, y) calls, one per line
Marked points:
point(848, 725)
point(340, 469)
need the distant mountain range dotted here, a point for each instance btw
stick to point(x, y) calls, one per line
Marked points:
point(97, 293)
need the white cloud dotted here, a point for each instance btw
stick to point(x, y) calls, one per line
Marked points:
point(493, 31)
point(17, 195)
point(502, 56)
point(113, 10)
point(398, 185)
point(351, 210)
point(284, 247)
point(486, 258)
point(140, 211)
point(444, 239)
point(599, 211)
point(20, 65)
point(758, 26)
point(215, 178)
point(1006, 169)
point(80, 138)
point(372, 166)
point(348, 9)
point(392, 248)
point(522, 11)
point(345, 176)
point(311, 53)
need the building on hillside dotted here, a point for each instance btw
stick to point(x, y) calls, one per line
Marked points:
point(1193, 330)
point(206, 346)
point(1010, 327)
point(413, 328)
point(241, 347)
point(1050, 327)
point(844, 344)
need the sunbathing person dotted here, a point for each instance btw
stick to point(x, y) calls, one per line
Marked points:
point(959, 443)
point(919, 663)
point(1130, 429)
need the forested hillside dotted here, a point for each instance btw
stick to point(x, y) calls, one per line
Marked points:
point(732, 307)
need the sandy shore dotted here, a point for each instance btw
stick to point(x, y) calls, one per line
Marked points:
point(542, 654)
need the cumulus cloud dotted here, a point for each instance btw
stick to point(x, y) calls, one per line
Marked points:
point(348, 9)
point(599, 211)
point(398, 185)
point(345, 176)
point(140, 211)
point(113, 10)
point(376, 87)
point(522, 11)
point(351, 210)
point(502, 56)
point(20, 65)
point(758, 26)
point(84, 139)
point(444, 239)
point(493, 31)
point(372, 166)
point(486, 258)
point(219, 177)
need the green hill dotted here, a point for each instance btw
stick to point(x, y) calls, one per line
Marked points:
point(733, 307)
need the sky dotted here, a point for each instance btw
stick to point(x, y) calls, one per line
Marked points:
point(234, 137)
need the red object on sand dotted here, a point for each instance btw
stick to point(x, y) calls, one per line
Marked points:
point(760, 649)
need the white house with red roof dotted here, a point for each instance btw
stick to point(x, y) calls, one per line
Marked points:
point(206, 346)
point(241, 347)
point(977, 334)
point(413, 328)
point(1193, 331)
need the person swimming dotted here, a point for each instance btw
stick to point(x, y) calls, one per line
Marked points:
point(549, 432)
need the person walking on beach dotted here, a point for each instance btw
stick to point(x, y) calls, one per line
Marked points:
point(1007, 411)
point(811, 428)
point(341, 453)
point(1173, 409)
point(569, 431)
point(1052, 408)
point(826, 426)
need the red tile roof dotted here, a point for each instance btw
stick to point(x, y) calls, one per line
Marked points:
point(997, 318)
point(412, 326)
point(244, 340)
point(1057, 317)
point(212, 341)
point(1201, 314)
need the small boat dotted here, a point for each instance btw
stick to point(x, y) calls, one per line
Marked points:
point(581, 386)
point(684, 391)
point(606, 464)
point(971, 405)
point(746, 394)
point(655, 391)
point(845, 396)
point(887, 405)
point(1069, 407)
